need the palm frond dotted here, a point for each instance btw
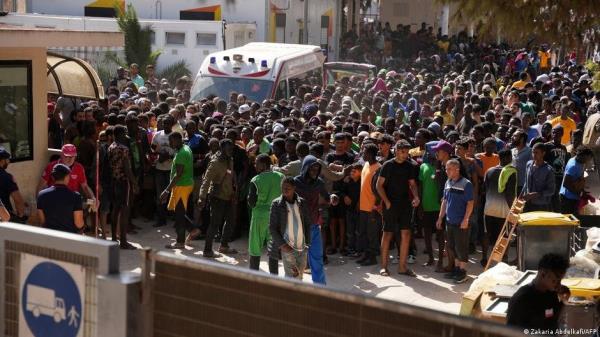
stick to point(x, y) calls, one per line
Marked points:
point(175, 71)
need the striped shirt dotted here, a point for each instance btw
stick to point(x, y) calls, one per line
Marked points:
point(294, 235)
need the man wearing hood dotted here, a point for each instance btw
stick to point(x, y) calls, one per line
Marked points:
point(311, 188)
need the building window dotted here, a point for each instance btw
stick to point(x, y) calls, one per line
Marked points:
point(16, 129)
point(173, 38)
point(280, 27)
point(206, 39)
point(152, 37)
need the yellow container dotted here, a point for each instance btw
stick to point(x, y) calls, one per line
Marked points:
point(547, 219)
point(583, 287)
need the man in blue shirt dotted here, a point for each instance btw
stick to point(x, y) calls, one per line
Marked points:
point(521, 154)
point(58, 207)
point(539, 181)
point(456, 208)
point(573, 183)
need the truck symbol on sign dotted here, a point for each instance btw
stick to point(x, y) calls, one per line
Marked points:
point(42, 301)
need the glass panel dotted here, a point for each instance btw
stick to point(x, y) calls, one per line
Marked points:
point(175, 38)
point(15, 109)
point(204, 39)
point(255, 90)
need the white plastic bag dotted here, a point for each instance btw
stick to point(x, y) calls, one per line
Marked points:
point(593, 236)
point(499, 274)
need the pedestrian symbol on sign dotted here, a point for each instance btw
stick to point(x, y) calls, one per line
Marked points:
point(51, 302)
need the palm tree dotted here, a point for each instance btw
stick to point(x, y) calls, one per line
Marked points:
point(138, 45)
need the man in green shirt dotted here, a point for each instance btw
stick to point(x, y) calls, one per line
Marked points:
point(264, 188)
point(180, 187)
point(430, 206)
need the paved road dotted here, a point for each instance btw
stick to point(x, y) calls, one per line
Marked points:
point(428, 290)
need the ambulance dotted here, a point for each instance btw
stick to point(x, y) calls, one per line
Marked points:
point(260, 71)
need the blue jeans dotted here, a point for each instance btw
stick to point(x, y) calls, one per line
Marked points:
point(315, 255)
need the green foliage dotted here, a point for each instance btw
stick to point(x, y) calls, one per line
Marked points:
point(594, 69)
point(567, 22)
point(138, 46)
point(175, 71)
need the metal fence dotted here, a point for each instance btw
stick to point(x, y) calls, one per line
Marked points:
point(192, 297)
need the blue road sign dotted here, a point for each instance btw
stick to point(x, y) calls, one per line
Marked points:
point(51, 301)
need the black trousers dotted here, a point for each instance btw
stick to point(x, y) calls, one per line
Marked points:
point(369, 232)
point(568, 206)
point(220, 214)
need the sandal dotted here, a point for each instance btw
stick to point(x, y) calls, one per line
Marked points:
point(408, 272)
point(384, 272)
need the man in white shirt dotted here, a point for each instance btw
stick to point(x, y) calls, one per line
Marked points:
point(160, 145)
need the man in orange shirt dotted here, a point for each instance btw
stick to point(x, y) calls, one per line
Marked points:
point(489, 158)
point(369, 228)
point(567, 123)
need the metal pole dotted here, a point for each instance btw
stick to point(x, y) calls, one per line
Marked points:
point(146, 296)
point(305, 38)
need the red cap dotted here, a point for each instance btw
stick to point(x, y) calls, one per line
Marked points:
point(69, 150)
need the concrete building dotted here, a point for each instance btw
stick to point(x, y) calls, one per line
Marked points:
point(314, 22)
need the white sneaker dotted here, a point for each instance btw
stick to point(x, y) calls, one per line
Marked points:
point(395, 260)
point(412, 259)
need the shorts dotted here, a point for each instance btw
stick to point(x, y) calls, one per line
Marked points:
point(106, 199)
point(179, 193)
point(397, 218)
point(429, 220)
point(337, 212)
point(458, 242)
point(259, 236)
point(120, 194)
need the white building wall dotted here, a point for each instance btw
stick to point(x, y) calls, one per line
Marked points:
point(190, 51)
point(243, 11)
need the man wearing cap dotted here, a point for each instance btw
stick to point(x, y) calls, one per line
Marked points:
point(58, 207)
point(9, 190)
point(77, 180)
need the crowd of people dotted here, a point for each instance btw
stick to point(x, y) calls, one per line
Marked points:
point(442, 145)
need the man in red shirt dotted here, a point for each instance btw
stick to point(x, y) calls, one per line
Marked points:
point(77, 181)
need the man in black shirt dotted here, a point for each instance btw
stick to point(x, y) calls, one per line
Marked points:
point(337, 214)
point(58, 207)
point(537, 306)
point(9, 190)
point(396, 178)
point(557, 156)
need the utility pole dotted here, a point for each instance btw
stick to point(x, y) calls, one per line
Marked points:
point(305, 38)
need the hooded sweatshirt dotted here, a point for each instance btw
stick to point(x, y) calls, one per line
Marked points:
point(310, 190)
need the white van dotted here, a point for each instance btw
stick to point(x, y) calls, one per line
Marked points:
point(259, 70)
